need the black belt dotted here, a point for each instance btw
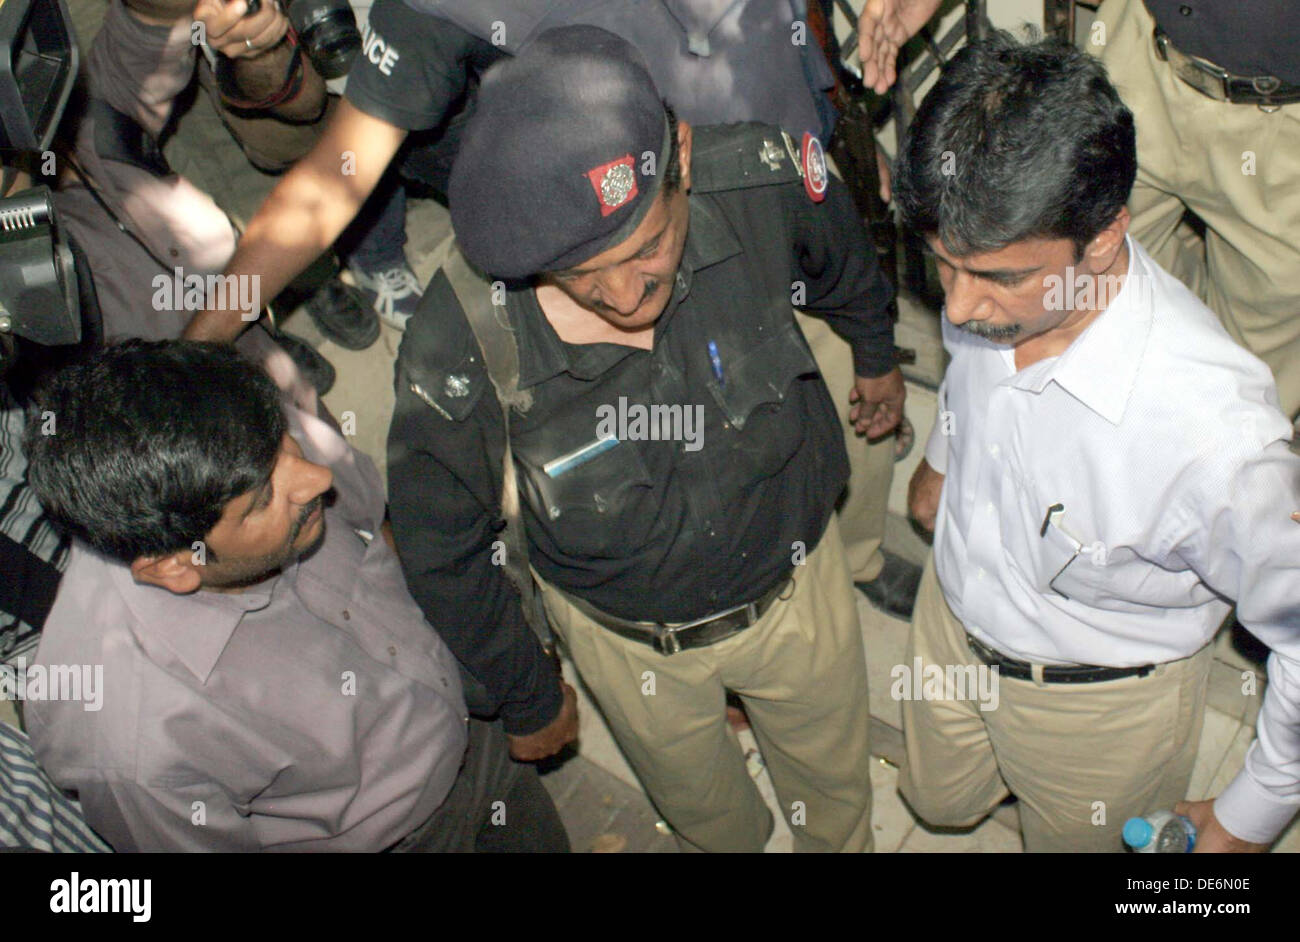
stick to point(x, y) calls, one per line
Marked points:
point(1267, 91)
point(669, 639)
point(1075, 674)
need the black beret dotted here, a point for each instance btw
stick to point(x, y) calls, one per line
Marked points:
point(554, 166)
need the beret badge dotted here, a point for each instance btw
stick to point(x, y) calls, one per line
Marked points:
point(614, 183)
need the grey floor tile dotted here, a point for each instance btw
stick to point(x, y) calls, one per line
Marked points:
point(601, 812)
point(990, 837)
point(891, 822)
point(362, 398)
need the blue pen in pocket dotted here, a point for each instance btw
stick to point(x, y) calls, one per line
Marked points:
point(716, 360)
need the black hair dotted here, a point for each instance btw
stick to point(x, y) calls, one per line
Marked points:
point(138, 448)
point(673, 169)
point(1017, 142)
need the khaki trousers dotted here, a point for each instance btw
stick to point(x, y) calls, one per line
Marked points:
point(1236, 167)
point(1081, 758)
point(871, 466)
point(801, 673)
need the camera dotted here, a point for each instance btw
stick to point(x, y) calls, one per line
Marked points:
point(38, 280)
point(327, 31)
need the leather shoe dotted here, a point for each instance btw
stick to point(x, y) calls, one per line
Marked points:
point(894, 590)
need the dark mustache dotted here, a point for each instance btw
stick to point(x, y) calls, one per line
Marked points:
point(651, 288)
point(1004, 332)
point(308, 509)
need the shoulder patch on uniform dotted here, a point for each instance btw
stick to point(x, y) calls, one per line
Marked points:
point(440, 362)
point(815, 175)
point(739, 156)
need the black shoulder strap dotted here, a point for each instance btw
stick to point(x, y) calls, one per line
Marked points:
point(501, 358)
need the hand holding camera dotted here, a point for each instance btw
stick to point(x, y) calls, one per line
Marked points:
point(326, 29)
point(242, 28)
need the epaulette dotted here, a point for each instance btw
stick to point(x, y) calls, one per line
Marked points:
point(440, 361)
point(739, 156)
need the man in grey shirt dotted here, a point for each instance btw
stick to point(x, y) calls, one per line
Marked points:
point(233, 661)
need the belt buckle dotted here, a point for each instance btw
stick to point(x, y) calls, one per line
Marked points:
point(665, 640)
point(1206, 77)
point(1213, 80)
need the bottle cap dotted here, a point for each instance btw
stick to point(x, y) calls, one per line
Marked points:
point(1138, 832)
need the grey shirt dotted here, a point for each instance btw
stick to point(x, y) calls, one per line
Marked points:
point(315, 711)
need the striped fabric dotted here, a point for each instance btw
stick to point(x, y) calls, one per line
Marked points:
point(33, 812)
point(22, 520)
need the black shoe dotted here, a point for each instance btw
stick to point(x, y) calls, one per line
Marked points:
point(894, 590)
point(318, 370)
point(342, 314)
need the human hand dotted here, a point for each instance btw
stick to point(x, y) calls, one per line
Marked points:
point(1211, 836)
point(883, 27)
point(237, 36)
point(877, 403)
point(552, 737)
point(923, 495)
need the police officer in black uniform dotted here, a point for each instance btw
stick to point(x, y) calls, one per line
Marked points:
point(407, 100)
point(677, 453)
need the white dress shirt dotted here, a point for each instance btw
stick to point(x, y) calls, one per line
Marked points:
point(1163, 442)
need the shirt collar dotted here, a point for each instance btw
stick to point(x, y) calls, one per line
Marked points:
point(541, 352)
point(543, 355)
point(710, 240)
point(196, 627)
point(1100, 367)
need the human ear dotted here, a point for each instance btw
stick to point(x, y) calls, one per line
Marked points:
point(174, 572)
point(1106, 245)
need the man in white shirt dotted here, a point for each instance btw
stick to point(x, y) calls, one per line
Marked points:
point(1108, 472)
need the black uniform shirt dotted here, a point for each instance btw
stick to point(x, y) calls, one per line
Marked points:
point(414, 69)
point(667, 530)
point(419, 73)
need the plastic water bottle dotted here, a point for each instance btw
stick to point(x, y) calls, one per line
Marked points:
point(1161, 832)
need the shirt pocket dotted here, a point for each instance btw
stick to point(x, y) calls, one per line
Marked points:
point(1059, 559)
point(590, 505)
point(760, 375)
point(757, 380)
point(1114, 579)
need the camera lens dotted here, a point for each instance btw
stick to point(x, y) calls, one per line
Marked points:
point(327, 30)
